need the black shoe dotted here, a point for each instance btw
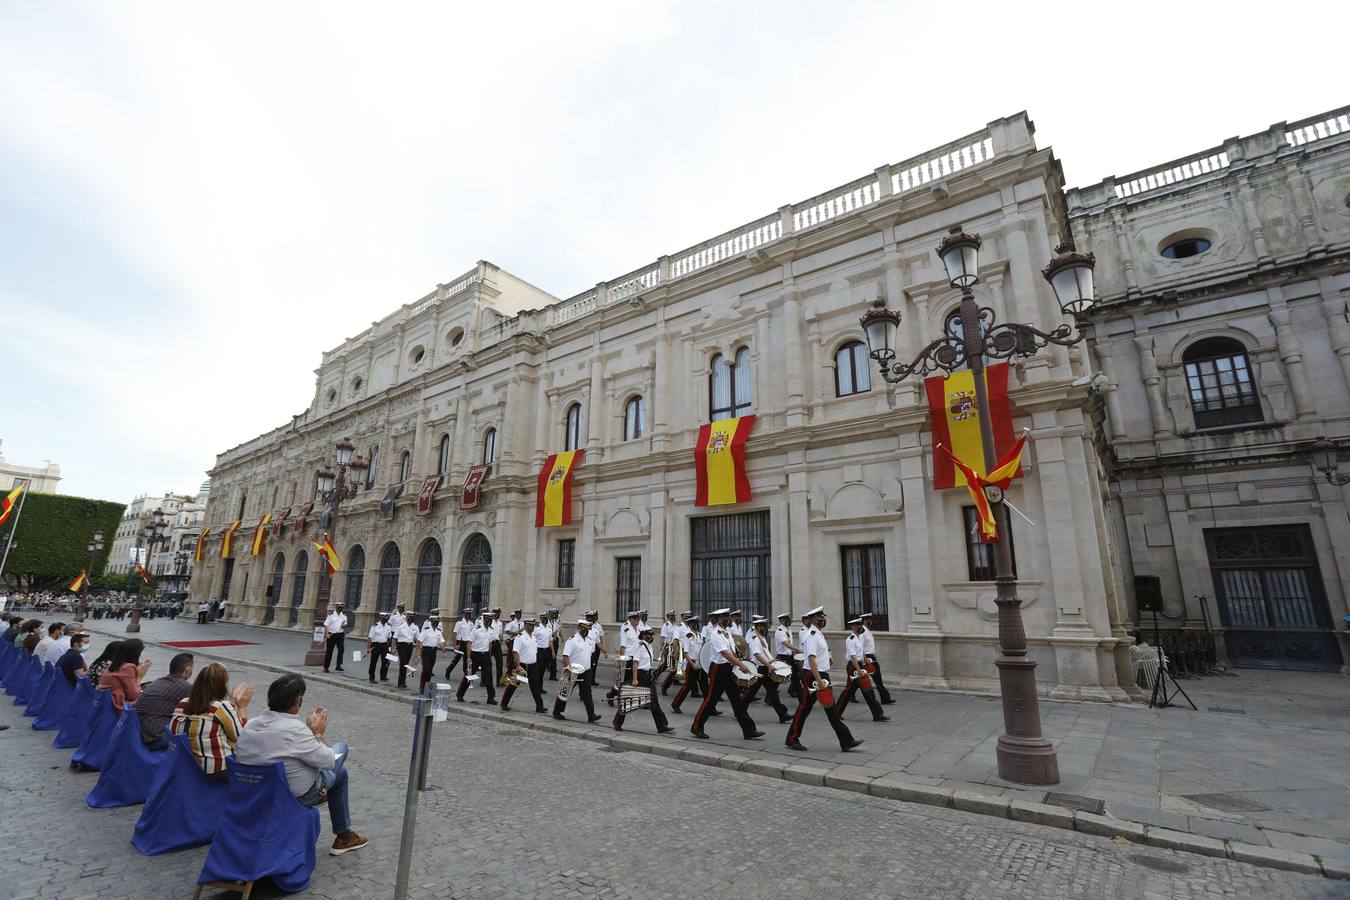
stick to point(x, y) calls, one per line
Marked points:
point(610, 701)
point(715, 712)
point(887, 702)
point(676, 709)
point(325, 671)
point(881, 718)
point(339, 668)
point(796, 746)
point(783, 720)
point(618, 727)
point(699, 734)
point(559, 717)
point(505, 708)
point(665, 691)
point(667, 730)
point(754, 735)
point(384, 681)
point(540, 710)
point(857, 742)
point(595, 719)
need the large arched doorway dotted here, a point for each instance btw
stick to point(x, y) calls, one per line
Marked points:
point(356, 578)
point(475, 579)
point(298, 586)
point(428, 578)
point(386, 590)
point(274, 589)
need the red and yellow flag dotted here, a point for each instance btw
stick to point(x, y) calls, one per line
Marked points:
point(956, 423)
point(201, 544)
point(145, 576)
point(260, 535)
point(1001, 476)
point(329, 555)
point(553, 505)
point(719, 458)
point(78, 583)
point(7, 504)
point(227, 541)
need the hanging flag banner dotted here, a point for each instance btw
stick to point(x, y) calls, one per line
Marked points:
point(260, 535)
point(329, 555)
point(387, 504)
point(78, 582)
point(719, 459)
point(7, 504)
point(227, 542)
point(553, 505)
point(201, 544)
point(468, 499)
point(300, 517)
point(956, 421)
point(279, 522)
point(326, 514)
point(427, 495)
point(145, 576)
point(1000, 477)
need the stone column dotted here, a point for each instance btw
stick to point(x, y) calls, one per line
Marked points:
point(663, 385)
point(924, 635)
point(657, 601)
point(1291, 354)
point(595, 414)
point(1148, 371)
point(1252, 218)
point(793, 362)
point(1115, 416)
point(798, 543)
point(510, 441)
point(463, 426)
point(1126, 257)
point(1304, 204)
point(1031, 302)
point(1338, 326)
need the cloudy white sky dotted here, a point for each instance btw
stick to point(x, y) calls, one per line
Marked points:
point(197, 199)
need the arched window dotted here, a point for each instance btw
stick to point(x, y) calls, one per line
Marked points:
point(374, 466)
point(729, 386)
point(634, 418)
point(490, 447)
point(428, 578)
point(1219, 379)
point(475, 573)
point(405, 467)
point(274, 589)
point(851, 372)
point(298, 585)
point(386, 591)
point(356, 578)
point(572, 428)
point(443, 460)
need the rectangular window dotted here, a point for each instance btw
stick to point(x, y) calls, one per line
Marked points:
point(628, 585)
point(731, 564)
point(979, 555)
point(567, 563)
point(865, 583)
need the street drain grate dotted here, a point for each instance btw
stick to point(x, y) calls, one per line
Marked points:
point(1236, 712)
point(608, 749)
point(1226, 803)
point(1076, 801)
point(1162, 865)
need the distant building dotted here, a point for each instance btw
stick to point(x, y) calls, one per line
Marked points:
point(43, 480)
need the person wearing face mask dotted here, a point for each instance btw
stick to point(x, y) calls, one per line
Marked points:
point(72, 664)
point(431, 639)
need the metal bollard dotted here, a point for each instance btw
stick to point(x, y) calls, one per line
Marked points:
point(431, 707)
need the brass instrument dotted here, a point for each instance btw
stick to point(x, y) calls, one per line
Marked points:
point(671, 655)
point(570, 676)
point(742, 648)
point(621, 670)
point(511, 678)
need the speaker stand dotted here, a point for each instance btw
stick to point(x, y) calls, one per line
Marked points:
point(1162, 695)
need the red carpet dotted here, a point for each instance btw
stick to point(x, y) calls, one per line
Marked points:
point(225, 643)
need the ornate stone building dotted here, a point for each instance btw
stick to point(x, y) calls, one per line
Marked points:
point(763, 320)
point(1222, 333)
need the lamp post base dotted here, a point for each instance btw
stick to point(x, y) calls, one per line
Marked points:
point(1027, 762)
point(1025, 756)
point(134, 626)
point(314, 656)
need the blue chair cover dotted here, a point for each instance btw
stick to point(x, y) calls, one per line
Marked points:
point(79, 717)
point(183, 806)
point(263, 831)
point(28, 681)
point(55, 704)
point(94, 748)
point(39, 692)
point(129, 768)
point(6, 661)
point(13, 669)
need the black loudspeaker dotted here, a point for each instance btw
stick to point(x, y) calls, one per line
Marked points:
point(269, 592)
point(1148, 593)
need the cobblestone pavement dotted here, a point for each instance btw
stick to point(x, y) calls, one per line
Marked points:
point(516, 813)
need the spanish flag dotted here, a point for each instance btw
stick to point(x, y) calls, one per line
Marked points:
point(260, 535)
point(201, 544)
point(1001, 476)
point(78, 583)
point(956, 422)
point(227, 542)
point(553, 505)
point(7, 504)
point(145, 576)
point(719, 458)
point(328, 553)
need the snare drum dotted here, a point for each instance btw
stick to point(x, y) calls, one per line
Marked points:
point(799, 658)
point(745, 678)
point(780, 671)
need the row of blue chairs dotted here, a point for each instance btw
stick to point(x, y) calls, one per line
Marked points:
point(255, 826)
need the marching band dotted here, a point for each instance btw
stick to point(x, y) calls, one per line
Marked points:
point(720, 658)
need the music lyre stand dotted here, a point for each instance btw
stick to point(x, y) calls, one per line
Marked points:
point(1162, 696)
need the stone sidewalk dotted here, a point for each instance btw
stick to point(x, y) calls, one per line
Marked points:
point(1260, 765)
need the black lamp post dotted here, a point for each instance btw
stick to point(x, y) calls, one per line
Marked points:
point(331, 489)
point(95, 548)
point(1325, 459)
point(1024, 754)
point(154, 532)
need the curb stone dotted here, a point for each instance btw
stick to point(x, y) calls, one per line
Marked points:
point(885, 788)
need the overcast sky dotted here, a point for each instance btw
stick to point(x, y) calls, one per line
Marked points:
point(196, 200)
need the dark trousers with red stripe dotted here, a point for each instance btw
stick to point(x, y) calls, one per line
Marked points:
point(462, 655)
point(535, 678)
point(794, 734)
point(795, 685)
point(482, 664)
point(876, 676)
point(770, 692)
point(428, 663)
point(721, 682)
point(658, 716)
point(849, 692)
point(691, 677)
point(582, 687)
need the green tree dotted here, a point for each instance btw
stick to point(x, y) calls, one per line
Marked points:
point(51, 539)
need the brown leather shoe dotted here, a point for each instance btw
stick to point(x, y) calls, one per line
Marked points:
point(346, 842)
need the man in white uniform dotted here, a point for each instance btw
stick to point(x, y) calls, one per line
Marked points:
point(579, 650)
point(480, 656)
point(398, 617)
point(870, 648)
point(642, 671)
point(816, 674)
point(784, 650)
point(856, 659)
point(405, 638)
point(691, 645)
point(461, 635)
point(378, 645)
point(430, 639)
point(525, 661)
point(628, 641)
point(722, 658)
point(757, 640)
point(335, 634)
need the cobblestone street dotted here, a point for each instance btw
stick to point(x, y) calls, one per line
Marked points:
point(517, 813)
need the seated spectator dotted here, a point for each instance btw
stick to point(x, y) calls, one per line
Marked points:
point(124, 673)
point(159, 698)
point(71, 664)
point(54, 632)
point(211, 721)
point(100, 665)
point(31, 634)
point(11, 630)
point(314, 771)
point(59, 647)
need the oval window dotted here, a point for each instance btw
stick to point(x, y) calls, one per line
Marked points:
point(1186, 248)
point(417, 354)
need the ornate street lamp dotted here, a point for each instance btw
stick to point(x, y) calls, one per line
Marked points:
point(1325, 456)
point(1024, 754)
point(154, 533)
point(331, 488)
point(95, 548)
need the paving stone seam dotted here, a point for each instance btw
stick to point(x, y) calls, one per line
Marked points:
point(884, 787)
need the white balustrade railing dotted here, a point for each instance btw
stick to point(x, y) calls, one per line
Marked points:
point(847, 199)
point(1318, 128)
point(911, 174)
point(1206, 163)
point(725, 246)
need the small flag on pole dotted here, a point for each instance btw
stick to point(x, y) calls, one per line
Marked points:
point(201, 544)
point(140, 570)
point(328, 553)
point(78, 582)
point(7, 504)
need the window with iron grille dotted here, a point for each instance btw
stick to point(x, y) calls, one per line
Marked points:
point(979, 555)
point(428, 578)
point(628, 584)
point(864, 568)
point(386, 590)
point(356, 577)
point(731, 564)
point(567, 568)
point(1219, 380)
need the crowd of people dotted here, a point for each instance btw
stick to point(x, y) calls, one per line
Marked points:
point(102, 605)
point(213, 718)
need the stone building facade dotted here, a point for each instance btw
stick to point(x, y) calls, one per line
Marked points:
point(1223, 339)
point(765, 320)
